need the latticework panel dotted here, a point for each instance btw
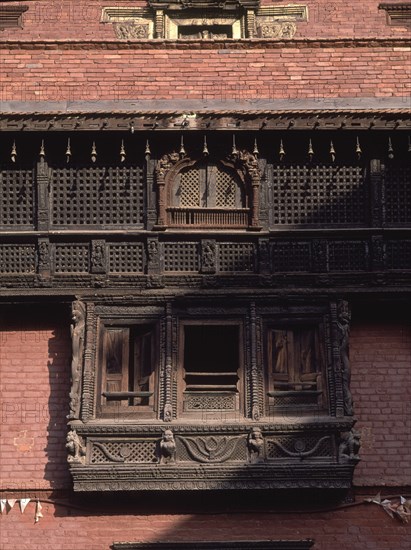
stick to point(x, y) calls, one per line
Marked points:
point(16, 197)
point(236, 257)
point(126, 258)
point(398, 194)
point(347, 256)
point(71, 258)
point(200, 402)
point(291, 401)
point(181, 256)
point(190, 187)
point(16, 258)
point(291, 256)
point(225, 190)
point(398, 254)
point(318, 194)
point(131, 452)
point(288, 446)
point(97, 196)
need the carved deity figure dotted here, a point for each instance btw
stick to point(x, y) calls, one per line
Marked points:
point(77, 340)
point(255, 445)
point(280, 343)
point(349, 446)
point(75, 448)
point(343, 323)
point(167, 447)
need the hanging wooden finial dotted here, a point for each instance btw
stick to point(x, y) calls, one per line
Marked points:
point(132, 126)
point(42, 150)
point(147, 152)
point(234, 149)
point(310, 151)
point(205, 147)
point(13, 152)
point(122, 152)
point(332, 152)
point(390, 149)
point(256, 152)
point(68, 151)
point(358, 149)
point(182, 149)
point(281, 151)
point(93, 152)
point(409, 144)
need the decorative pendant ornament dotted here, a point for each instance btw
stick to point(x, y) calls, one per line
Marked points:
point(390, 149)
point(182, 150)
point(409, 144)
point(332, 152)
point(23, 503)
point(13, 152)
point(122, 152)
point(42, 151)
point(234, 149)
point(93, 152)
point(147, 151)
point(205, 147)
point(38, 513)
point(358, 149)
point(68, 151)
point(281, 151)
point(310, 151)
point(256, 152)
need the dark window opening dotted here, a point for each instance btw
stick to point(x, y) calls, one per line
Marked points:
point(211, 367)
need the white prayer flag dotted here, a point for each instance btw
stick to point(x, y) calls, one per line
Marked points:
point(38, 514)
point(11, 502)
point(3, 502)
point(23, 503)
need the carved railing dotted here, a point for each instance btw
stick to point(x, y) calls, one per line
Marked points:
point(208, 217)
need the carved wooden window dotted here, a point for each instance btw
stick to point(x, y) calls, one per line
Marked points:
point(295, 368)
point(208, 194)
point(128, 365)
point(210, 367)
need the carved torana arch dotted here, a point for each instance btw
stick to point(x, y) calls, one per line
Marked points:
point(244, 169)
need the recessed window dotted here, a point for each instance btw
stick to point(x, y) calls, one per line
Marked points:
point(295, 368)
point(128, 359)
point(211, 367)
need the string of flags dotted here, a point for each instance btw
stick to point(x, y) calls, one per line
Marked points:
point(7, 504)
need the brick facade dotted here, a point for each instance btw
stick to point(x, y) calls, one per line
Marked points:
point(345, 50)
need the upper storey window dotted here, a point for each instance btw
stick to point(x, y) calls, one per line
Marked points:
point(208, 193)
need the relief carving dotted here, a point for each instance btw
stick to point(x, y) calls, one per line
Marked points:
point(273, 29)
point(167, 447)
point(255, 444)
point(208, 256)
point(210, 449)
point(343, 325)
point(130, 31)
point(98, 256)
point(349, 446)
point(77, 340)
point(75, 448)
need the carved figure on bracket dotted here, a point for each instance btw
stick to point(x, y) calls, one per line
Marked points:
point(76, 449)
point(208, 257)
point(167, 447)
point(77, 340)
point(255, 443)
point(349, 446)
point(343, 323)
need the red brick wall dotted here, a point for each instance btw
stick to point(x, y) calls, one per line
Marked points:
point(74, 19)
point(381, 384)
point(215, 74)
point(34, 367)
point(362, 527)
